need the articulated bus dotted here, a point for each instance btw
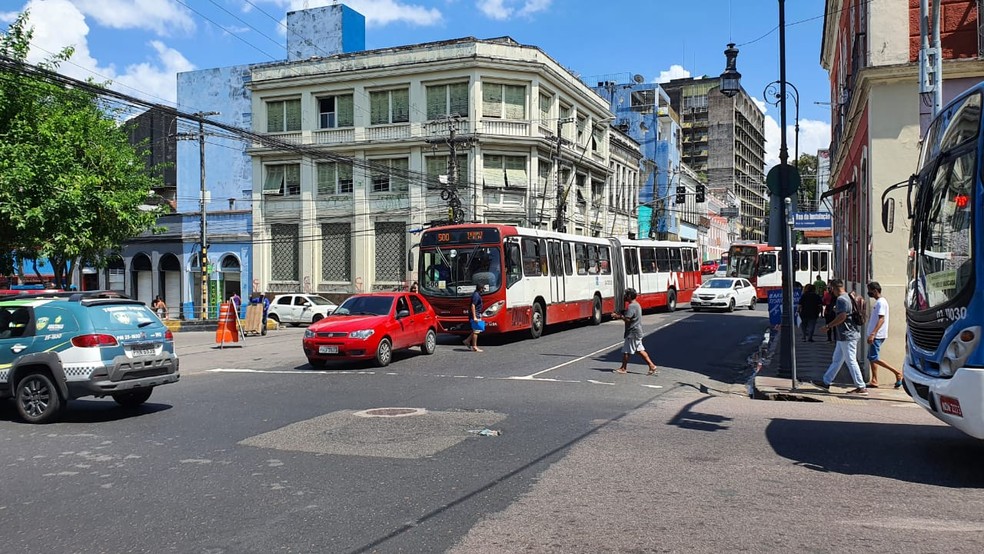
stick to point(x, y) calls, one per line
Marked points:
point(944, 301)
point(536, 278)
point(762, 264)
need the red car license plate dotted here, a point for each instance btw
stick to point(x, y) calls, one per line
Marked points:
point(950, 405)
point(327, 350)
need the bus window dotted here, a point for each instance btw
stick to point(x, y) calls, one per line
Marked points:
point(556, 262)
point(804, 261)
point(675, 261)
point(767, 264)
point(531, 257)
point(631, 262)
point(592, 259)
point(688, 259)
point(514, 264)
point(647, 258)
point(543, 257)
point(662, 259)
point(820, 261)
point(568, 267)
point(605, 257)
point(581, 258)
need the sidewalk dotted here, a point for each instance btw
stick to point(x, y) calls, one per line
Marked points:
point(812, 360)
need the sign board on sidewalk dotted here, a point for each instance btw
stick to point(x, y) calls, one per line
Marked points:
point(813, 221)
point(775, 305)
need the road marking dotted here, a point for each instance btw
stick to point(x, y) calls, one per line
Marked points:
point(653, 386)
point(593, 382)
point(599, 351)
point(292, 371)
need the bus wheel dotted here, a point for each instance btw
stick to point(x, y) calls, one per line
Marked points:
point(536, 321)
point(671, 300)
point(596, 311)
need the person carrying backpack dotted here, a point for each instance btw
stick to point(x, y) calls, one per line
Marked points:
point(846, 334)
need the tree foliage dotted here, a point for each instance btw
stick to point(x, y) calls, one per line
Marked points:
point(71, 185)
point(807, 166)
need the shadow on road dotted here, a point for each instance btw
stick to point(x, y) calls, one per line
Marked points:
point(89, 411)
point(688, 418)
point(928, 454)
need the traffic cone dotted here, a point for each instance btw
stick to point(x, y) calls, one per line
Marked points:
point(226, 331)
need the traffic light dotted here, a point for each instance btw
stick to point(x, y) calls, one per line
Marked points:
point(700, 193)
point(681, 194)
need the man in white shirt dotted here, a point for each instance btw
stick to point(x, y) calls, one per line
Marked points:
point(876, 334)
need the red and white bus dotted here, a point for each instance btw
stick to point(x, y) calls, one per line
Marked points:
point(537, 278)
point(761, 264)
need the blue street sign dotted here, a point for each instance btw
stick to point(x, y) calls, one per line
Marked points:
point(813, 221)
point(775, 307)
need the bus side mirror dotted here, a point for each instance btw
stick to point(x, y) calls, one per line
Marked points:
point(888, 215)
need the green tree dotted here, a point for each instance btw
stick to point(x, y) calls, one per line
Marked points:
point(807, 166)
point(71, 185)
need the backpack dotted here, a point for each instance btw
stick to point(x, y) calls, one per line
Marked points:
point(858, 313)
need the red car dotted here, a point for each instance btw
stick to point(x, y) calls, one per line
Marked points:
point(708, 267)
point(371, 327)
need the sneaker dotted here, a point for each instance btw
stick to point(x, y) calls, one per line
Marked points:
point(858, 392)
point(821, 384)
point(898, 384)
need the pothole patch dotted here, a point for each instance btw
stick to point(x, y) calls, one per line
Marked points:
point(391, 412)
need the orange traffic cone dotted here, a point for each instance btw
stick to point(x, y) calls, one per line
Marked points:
point(226, 331)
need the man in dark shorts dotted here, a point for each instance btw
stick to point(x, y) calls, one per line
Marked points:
point(475, 318)
point(632, 316)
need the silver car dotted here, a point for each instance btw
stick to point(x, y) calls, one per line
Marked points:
point(295, 309)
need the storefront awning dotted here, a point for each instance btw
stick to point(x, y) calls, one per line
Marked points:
point(837, 190)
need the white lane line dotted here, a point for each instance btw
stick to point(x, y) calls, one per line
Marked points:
point(540, 379)
point(593, 382)
point(654, 386)
point(599, 351)
point(291, 371)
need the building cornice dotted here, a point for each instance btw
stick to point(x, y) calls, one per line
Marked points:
point(828, 41)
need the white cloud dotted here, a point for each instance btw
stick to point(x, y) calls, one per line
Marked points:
point(377, 12)
point(675, 72)
point(504, 9)
point(813, 135)
point(8, 17)
point(59, 23)
point(161, 16)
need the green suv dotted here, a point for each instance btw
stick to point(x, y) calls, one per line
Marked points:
point(61, 346)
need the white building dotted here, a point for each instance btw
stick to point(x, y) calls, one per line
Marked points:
point(340, 214)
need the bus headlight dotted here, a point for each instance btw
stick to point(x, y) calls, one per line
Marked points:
point(494, 309)
point(959, 349)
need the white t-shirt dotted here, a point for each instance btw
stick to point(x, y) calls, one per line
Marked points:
point(880, 309)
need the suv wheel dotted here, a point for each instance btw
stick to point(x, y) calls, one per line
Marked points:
point(133, 398)
point(38, 400)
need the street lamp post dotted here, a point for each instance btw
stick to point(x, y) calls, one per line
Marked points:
point(730, 85)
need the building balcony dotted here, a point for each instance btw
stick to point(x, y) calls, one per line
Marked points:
point(506, 128)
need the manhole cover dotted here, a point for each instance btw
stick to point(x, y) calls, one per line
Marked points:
point(391, 412)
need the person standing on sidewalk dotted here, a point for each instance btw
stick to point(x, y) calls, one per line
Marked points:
point(632, 316)
point(809, 311)
point(846, 337)
point(876, 334)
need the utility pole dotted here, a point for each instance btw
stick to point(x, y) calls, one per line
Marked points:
point(203, 244)
point(560, 225)
point(449, 192)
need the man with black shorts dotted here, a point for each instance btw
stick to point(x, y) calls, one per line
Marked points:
point(632, 316)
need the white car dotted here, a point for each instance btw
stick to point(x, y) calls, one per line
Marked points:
point(296, 309)
point(722, 270)
point(725, 293)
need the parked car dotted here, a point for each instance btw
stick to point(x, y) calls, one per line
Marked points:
point(55, 347)
point(721, 271)
point(708, 267)
point(724, 293)
point(295, 309)
point(371, 327)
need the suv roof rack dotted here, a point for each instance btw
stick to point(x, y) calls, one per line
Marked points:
point(71, 296)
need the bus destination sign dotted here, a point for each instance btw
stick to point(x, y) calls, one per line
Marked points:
point(441, 237)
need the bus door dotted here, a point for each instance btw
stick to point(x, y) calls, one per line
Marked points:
point(691, 267)
point(558, 293)
point(631, 264)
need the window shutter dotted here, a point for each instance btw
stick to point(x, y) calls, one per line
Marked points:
point(378, 108)
point(459, 99)
point(344, 178)
point(436, 101)
point(274, 180)
point(516, 171)
point(293, 108)
point(493, 173)
point(401, 106)
point(515, 101)
point(345, 110)
point(292, 177)
point(491, 100)
point(398, 176)
point(544, 109)
point(275, 117)
point(326, 178)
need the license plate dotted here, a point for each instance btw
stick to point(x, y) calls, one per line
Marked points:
point(327, 350)
point(950, 405)
point(143, 352)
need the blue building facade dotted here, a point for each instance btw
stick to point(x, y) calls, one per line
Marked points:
point(642, 110)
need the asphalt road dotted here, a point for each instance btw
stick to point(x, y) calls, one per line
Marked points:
point(254, 451)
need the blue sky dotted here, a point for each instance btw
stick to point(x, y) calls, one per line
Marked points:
point(140, 45)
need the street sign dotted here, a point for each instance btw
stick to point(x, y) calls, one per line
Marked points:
point(775, 182)
point(812, 221)
point(730, 211)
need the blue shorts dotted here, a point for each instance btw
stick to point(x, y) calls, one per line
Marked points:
point(873, 350)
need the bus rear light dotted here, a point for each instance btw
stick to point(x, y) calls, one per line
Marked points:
point(93, 341)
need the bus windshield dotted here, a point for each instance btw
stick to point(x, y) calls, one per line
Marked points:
point(942, 235)
point(458, 270)
point(742, 262)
